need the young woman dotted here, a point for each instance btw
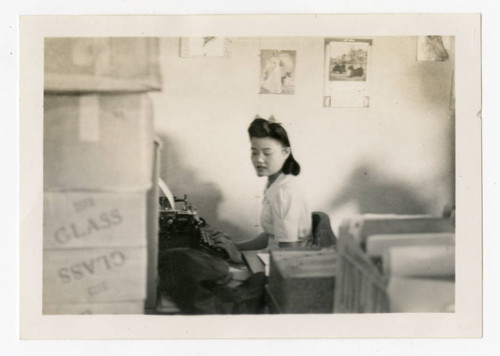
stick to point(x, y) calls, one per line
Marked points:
point(285, 216)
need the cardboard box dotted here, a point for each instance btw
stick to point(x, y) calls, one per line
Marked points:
point(360, 227)
point(96, 142)
point(421, 295)
point(377, 245)
point(94, 275)
point(94, 219)
point(425, 261)
point(132, 307)
point(152, 230)
point(102, 64)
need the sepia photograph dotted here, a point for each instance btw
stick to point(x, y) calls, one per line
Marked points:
point(348, 59)
point(277, 72)
point(377, 236)
point(172, 188)
point(433, 48)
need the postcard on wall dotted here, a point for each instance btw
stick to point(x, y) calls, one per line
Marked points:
point(277, 72)
point(433, 48)
point(346, 72)
point(208, 46)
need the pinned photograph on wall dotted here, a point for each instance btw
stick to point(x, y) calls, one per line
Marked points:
point(347, 60)
point(346, 72)
point(208, 46)
point(277, 72)
point(433, 48)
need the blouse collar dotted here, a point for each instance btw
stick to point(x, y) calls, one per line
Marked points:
point(282, 177)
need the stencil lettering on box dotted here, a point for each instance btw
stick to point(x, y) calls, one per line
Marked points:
point(83, 204)
point(96, 265)
point(77, 230)
point(98, 288)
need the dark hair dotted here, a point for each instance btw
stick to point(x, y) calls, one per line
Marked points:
point(261, 128)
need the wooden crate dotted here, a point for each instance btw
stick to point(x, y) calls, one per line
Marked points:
point(101, 64)
point(98, 142)
point(360, 287)
point(302, 281)
point(132, 307)
point(75, 219)
point(94, 275)
point(326, 281)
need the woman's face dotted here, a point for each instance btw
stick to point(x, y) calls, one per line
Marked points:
point(268, 155)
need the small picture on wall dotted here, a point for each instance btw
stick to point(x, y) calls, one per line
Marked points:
point(208, 46)
point(277, 72)
point(348, 60)
point(433, 48)
point(347, 63)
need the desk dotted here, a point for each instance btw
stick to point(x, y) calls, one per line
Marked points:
point(253, 262)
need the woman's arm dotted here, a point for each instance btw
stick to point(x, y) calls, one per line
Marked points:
point(257, 243)
point(234, 249)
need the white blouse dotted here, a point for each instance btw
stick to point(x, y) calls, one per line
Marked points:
point(285, 214)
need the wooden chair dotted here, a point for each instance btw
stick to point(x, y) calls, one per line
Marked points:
point(322, 234)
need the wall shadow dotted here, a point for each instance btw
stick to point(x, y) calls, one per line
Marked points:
point(375, 192)
point(204, 195)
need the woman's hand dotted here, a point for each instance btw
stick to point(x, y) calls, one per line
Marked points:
point(224, 241)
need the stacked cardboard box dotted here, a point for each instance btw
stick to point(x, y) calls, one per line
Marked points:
point(104, 64)
point(421, 295)
point(95, 227)
point(416, 254)
point(98, 142)
point(378, 245)
point(421, 277)
point(362, 226)
point(98, 171)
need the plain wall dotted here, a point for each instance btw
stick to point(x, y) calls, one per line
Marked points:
point(394, 157)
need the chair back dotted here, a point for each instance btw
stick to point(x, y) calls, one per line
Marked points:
point(322, 233)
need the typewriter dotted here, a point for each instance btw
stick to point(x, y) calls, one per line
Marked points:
point(183, 228)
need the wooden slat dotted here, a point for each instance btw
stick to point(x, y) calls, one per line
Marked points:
point(360, 286)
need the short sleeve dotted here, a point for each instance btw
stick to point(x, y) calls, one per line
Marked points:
point(286, 210)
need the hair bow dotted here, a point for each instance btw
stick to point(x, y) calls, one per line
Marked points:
point(271, 120)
